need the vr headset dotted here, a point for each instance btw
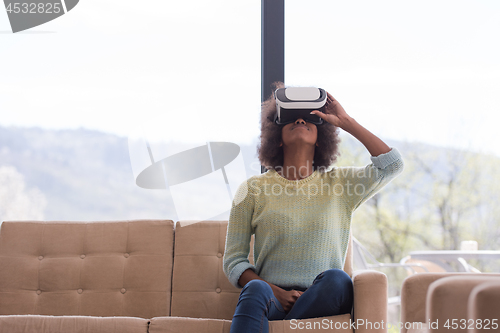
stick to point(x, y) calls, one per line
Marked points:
point(297, 102)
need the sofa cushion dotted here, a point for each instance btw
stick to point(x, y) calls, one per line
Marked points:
point(70, 324)
point(188, 325)
point(340, 324)
point(199, 287)
point(118, 268)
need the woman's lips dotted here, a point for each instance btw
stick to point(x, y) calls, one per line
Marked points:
point(297, 126)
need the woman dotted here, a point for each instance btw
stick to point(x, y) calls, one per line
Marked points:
point(300, 213)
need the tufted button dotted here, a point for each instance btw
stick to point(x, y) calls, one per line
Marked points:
point(80, 291)
point(218, 290)
point(38, 292)
point(40, 257)
point(219, 255)
point(82, 256)
point(126, 255)
point(123, 290)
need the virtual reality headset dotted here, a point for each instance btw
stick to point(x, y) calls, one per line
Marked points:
point(298, 102)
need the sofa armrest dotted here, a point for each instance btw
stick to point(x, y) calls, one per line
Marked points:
point(447, 301)
point(483, 305)
point(414, 295)
point(370, 301)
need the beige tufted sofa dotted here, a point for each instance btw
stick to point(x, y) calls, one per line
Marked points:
point(131, 276)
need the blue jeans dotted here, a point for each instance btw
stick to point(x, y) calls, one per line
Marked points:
point(330, 294)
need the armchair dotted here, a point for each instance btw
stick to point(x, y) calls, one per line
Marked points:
point(431, 301)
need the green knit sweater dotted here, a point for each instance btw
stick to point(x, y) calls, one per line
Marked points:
point(301, 227)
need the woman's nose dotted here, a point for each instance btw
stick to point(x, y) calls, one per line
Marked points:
point(300, 121)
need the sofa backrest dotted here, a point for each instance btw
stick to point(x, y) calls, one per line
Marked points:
point(199, 287)
point(118, 268)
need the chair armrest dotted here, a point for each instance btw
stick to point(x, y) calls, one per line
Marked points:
point(483, 305)
point(370, 301)
point(414, 295)
point(447, 299)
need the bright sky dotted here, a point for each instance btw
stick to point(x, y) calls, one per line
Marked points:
point(190, 70)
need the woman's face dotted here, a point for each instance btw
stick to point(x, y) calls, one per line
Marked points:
point(299, 132)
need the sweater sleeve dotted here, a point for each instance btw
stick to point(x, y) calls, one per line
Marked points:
point(239, 232)
point(360, 184)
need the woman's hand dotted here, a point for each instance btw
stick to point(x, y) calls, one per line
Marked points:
point(287, 298)
point(334, 114)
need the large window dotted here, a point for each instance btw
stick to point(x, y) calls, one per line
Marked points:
point(74, 92)
point(426, 71)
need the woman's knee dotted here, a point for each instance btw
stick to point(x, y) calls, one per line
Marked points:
point(257, 289)
point(336, 274)
point(338, 278)
point(339, 283)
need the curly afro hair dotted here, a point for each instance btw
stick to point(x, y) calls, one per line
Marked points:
point(271, 154)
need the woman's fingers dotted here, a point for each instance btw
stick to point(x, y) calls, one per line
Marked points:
point(330, 118)
point(315, 112)
point(319, 114)
point(298, 293)
point(330, 97)
point(288, 298)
